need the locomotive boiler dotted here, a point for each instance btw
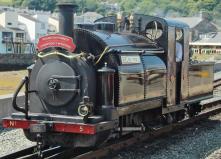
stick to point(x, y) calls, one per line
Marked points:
point(89, 85)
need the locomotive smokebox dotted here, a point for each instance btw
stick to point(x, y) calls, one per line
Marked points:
point(66, 18)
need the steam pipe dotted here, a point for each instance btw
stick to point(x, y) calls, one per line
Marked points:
point(66, 18)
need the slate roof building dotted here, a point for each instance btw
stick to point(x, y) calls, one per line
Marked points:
point(205, 38)
point(209, 44)
point(211, 39)
point(199, 26)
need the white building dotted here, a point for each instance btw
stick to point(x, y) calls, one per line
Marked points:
point(53, 25)
point(9, 19)
point(12, 37)
point(33, 27)
point(20, 29)
point(43, 17)
point(3, 47)
point(86, 18)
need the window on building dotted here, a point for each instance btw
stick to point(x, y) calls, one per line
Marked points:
point(208, 51)
point(218, 51)
point(9, 23)
point(20, 37)
point(42, 26)
point(7, 36)
point(9, 47)
point(196, 51)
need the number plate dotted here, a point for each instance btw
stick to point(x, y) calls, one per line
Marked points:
point(132, 59)
point(37, 128)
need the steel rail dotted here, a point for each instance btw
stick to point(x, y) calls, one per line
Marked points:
point(31, 153)
point(217, 83)
point(20, 153)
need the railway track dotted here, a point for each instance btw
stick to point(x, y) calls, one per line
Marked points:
point(47, 153)
point(31, 152)
point(211, 108)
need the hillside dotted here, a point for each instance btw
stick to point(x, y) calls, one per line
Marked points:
point(151, 7)
point(6, 2)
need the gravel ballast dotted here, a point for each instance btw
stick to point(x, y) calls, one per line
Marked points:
point(200, 141)
point(12, 141)
point(215, 155)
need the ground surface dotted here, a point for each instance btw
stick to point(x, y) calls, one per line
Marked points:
point(200, 141)
point(9, 81)
point(12, 141)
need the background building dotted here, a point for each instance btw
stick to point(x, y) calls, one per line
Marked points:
point(13, 37)
point(205, 38)
point(199, 25)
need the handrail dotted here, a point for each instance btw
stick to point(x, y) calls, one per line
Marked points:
point(14, 99)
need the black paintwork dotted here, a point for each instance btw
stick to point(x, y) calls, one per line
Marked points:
point(59, 101)
point(66, 18)
point(140, 75)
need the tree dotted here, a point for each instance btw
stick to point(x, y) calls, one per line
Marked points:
point(208, 4)
point(17, 3)
point(91, 5)
point(151, 7)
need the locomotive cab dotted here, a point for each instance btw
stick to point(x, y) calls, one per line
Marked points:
point(187, 83)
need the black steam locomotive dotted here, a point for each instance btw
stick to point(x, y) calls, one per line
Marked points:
point(122, 77)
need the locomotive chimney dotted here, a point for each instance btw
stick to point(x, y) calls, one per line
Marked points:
point(66, 17)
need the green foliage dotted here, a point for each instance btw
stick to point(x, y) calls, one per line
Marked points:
point(5, 2)
point(36, 4)
point(171, 7)
point(151, 7)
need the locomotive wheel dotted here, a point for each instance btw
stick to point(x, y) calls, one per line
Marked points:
point(193, 109)
point(180, 115)
point(167, 119)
